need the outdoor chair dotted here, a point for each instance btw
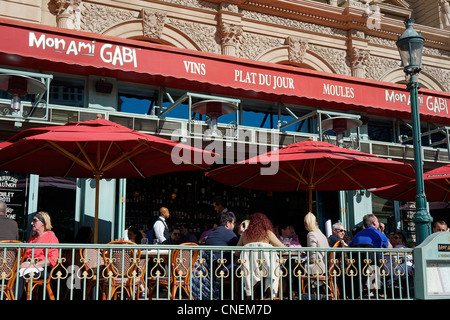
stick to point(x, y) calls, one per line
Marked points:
point(368, 263)
point(41, 278)
point(180, 272)
point(10, 258)
point(261, 266)
point(121, 271)
point(325, 279)
point(92, 265)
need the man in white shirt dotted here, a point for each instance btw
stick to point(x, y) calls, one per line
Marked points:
point(160, 229)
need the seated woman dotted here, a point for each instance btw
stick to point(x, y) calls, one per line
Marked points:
point(315, 238)
point(259, 233)
point(30, 268)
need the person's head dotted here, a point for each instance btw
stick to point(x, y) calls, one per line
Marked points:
point(175, 234)
point(41, 222)
point(338, 230)
point(134, 234)
point(3, 208)
point(310, 222)
point(396, 238)
point(258, 227)
point(227, 219)
point(286, 231)
point(84, 235)
point(219, 204)
point(370, 220)
point(183, 229)
point(440, 226)
point(164, 212)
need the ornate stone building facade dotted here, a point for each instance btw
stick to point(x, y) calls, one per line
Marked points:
point(348, 37)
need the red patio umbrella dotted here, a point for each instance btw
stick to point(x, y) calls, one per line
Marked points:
point(436, 183)
point(313, 165)
point(96, 149)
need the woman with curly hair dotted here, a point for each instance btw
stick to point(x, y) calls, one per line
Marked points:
point(260, 229)
point(259, 234)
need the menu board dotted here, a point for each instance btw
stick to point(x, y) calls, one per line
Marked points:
point(438, 276)
point(12, 192)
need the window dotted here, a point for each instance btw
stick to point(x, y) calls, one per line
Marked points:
point(135, 99)
point(67, 92)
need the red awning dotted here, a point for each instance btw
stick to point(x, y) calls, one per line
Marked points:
point(55, 49)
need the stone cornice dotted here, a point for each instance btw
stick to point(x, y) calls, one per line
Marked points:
point(348, 18)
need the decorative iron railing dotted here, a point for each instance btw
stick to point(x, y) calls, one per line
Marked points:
point(161, 272)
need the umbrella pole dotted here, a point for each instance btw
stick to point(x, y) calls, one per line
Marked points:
point(310, 199)
point(97, 185)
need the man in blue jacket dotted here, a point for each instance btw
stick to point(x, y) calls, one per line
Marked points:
point(370, 235)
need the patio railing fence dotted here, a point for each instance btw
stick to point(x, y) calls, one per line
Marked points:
point(157, 272)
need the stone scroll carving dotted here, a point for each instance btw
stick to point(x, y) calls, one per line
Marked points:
point(297, 49)
point(96, 18)
point(153, 23)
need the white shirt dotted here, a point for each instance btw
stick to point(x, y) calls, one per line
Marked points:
point(158, 229)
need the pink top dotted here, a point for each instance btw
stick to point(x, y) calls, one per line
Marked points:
point(39, 253)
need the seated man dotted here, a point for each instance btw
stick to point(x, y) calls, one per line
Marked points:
point(370, 235)
point(440, 226)
point(222, 236)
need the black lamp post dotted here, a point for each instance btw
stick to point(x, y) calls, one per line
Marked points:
point(410, 46)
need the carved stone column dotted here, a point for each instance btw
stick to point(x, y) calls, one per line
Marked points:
point(230, 35)
point(68, 13)
point(445, 14)
point(153, 23)
point(358, 59)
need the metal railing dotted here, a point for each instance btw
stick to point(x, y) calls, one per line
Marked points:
point(162, 272)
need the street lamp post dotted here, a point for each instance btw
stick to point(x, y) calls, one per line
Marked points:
point(410, 46)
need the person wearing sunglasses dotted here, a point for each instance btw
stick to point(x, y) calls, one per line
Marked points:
point(174, 236)
point(338, 234)
point(397, 240)
point(37, 259)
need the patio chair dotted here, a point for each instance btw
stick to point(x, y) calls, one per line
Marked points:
point(9, 260)
point(34, 281)
point(121, 271)
point(326, 279)
point(368, 264)
point(91, 267)
point(263, 273)
point(180, 272)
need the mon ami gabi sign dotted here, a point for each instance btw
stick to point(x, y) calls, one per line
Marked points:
point(80, 48)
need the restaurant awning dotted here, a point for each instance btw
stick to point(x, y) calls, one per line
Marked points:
point(56, 49)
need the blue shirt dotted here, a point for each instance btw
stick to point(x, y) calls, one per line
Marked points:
point(221, 236)
point(370, 236)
